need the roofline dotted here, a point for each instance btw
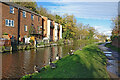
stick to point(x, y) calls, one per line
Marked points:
point(25, 9)
point(20, 7)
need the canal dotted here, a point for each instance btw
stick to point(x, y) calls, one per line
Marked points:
point(20, 63)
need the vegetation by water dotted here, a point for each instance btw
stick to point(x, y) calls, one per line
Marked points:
point(88, 63)
point(109, 45)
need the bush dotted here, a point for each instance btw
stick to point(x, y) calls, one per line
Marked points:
point(5, 33)
point(41, 43)
point(31, 41)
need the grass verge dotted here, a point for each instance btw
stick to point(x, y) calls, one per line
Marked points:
point(88, 63)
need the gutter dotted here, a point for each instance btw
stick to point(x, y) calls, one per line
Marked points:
point(18, 25)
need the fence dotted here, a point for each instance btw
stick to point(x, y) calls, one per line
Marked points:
point(5, 42)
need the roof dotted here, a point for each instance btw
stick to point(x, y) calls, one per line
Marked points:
point(20, 7)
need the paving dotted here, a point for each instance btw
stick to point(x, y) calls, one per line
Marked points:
point(113, 61)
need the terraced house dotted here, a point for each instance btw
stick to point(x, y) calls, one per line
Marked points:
point(22, 22)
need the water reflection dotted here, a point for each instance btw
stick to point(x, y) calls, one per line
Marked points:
point(20, 63)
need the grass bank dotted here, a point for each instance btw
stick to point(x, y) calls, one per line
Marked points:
point(114, 48)
point(88, 63)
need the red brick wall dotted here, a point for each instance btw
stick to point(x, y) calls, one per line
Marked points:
point(7, 15)
point(0, 20)
point(28, 22)
point(23, 21)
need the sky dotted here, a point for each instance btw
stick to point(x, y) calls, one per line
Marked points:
point(96, 14)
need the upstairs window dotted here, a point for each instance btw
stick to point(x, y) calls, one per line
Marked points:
point(32, 16)
point(24, 14)
point(32, 25)
point(9, 23)
point(11, 9)
point(25, 28)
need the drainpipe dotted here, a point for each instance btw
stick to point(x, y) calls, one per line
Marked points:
point(18, 25)
point(42, 28)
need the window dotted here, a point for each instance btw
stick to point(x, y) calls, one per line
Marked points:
point(11, 10)
point(9, 23)
point(25, 28)
point(32, 16)
point(32, 24)
point(24, 14)
point(12, 23)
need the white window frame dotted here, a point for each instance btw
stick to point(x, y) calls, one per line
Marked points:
point(25, 28)
point(31, 16)
point(6, 20)
point(9, 22)
point(12, 9)
point(12, 24)
point(24, 14)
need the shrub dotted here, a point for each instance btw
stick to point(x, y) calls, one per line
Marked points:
point(31, 41)
point(41, 43)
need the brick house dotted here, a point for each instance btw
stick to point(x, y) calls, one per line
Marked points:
point(52, 30)
point(44, 21)
point(9, 19)
point(20, 21)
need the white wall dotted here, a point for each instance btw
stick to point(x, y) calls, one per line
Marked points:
point(60, 31)
point(48, 29)
point(27, 40)
point(56, 37)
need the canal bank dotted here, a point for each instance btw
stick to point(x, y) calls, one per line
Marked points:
point(19, 63)
point(113, 60)
point(90, 62)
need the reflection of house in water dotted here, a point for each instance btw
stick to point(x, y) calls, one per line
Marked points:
point(46, 56)
point(29, 59)
point(39, 57)
point(54, 53)
point(26, 58)
point(51, 30)
point(6, 68)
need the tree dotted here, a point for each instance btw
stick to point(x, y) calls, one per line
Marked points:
point(91, 32)
point(115, 28)
point(69, 24)
point(31, 5)
point(58, 19)
point(42, 11)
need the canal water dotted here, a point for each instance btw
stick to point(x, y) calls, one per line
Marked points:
point(20, 63)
